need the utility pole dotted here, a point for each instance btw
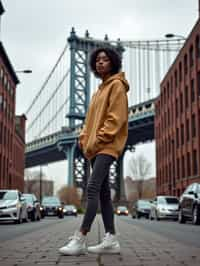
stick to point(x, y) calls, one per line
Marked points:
point(40, 184)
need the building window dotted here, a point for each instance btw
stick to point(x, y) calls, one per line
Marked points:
point(186, 97)
point(188, 164)
point(187, 130)
point(176, 79)
point(194, 159)
point(182, 134)
point(183, 166)
point(181, 103)
point(164, 95)
point(191, 56)
point(197, 46)
point(12, 91)
point(192, 91)
point(168, 113)
point(180, 71)
point(171, 85)
point(4, 105)
point(198, 82)
point(168, 90)
point(1, 74)
point(193, 126)
point(178, 168)
point(1, 102)
point(5, 80)
point(185, 64)
point(176, 107)
point(1, 132)
point(177, 137)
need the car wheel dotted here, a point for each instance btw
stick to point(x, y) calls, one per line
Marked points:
point(19, 220)
point(157, 217)
point(33, 216)
point(196, 216)
point(181, 217)
point(138, 216)
point(150, 216)
point(38, 216)
point(26, 219)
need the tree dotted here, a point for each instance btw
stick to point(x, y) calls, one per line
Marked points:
point(69, 195)
point(139, 168)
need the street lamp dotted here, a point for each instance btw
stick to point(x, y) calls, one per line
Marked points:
point(171, 35)
point(26, 71)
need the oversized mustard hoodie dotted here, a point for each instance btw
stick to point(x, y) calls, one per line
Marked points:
point(106, 125)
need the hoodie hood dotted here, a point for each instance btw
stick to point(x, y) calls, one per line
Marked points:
point(120, 76)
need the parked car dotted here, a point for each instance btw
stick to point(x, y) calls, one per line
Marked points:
point(52, 206)
point(141, 208)
point(164, 207)
point(33, 207)
point(122, 210)
point(12, 206)
point(70, 210)
point(189, 204)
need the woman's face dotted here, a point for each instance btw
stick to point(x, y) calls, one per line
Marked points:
point(103, 65)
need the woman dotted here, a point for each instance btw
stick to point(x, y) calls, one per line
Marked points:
point(102, 140)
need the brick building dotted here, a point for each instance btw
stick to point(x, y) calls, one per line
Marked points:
point(177, 120)
point(12, 129)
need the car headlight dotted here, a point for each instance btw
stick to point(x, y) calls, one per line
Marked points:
point(163, 209)
point(60, 209)
point(74, 210)
point(13, 206)
point(41, 208)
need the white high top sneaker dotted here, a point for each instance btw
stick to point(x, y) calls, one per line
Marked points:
point(76, 245)
point(109, 245)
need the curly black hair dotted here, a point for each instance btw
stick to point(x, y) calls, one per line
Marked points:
point(113, 55)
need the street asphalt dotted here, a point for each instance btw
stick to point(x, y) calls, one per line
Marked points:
point(143, 243)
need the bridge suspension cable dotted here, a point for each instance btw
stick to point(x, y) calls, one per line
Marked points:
point(47, 79)
point(48, 101)
point(53, 118)
point(53, 94)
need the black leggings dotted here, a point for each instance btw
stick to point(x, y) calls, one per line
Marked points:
point(98, 188)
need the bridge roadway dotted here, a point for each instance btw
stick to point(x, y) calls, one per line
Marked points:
point(48, 149)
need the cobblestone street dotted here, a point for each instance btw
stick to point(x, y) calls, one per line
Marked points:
point(139, 247)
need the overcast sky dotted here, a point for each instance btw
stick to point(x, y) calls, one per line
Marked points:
point(34, 32)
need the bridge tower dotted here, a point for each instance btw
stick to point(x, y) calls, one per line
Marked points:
point(78, 166)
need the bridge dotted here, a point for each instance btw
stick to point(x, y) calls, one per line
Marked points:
point(56, 114)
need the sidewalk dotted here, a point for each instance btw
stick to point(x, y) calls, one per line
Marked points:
point(139, 247)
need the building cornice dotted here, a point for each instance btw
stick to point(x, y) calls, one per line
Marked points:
point(8, 64)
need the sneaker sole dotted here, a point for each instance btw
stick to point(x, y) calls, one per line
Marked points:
point(104, 252)
point(72, 253)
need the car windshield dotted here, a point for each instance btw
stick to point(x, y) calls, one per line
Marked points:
point(171, 200)
point(144, 204)
point(122, 208)
point(70, 207)
point(28, 198)
point(8, 195)
point(50, 200)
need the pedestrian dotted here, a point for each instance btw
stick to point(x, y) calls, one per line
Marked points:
point(102, 140)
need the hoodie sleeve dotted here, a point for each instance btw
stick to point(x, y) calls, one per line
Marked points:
point(83, 136)
point(117, 113)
